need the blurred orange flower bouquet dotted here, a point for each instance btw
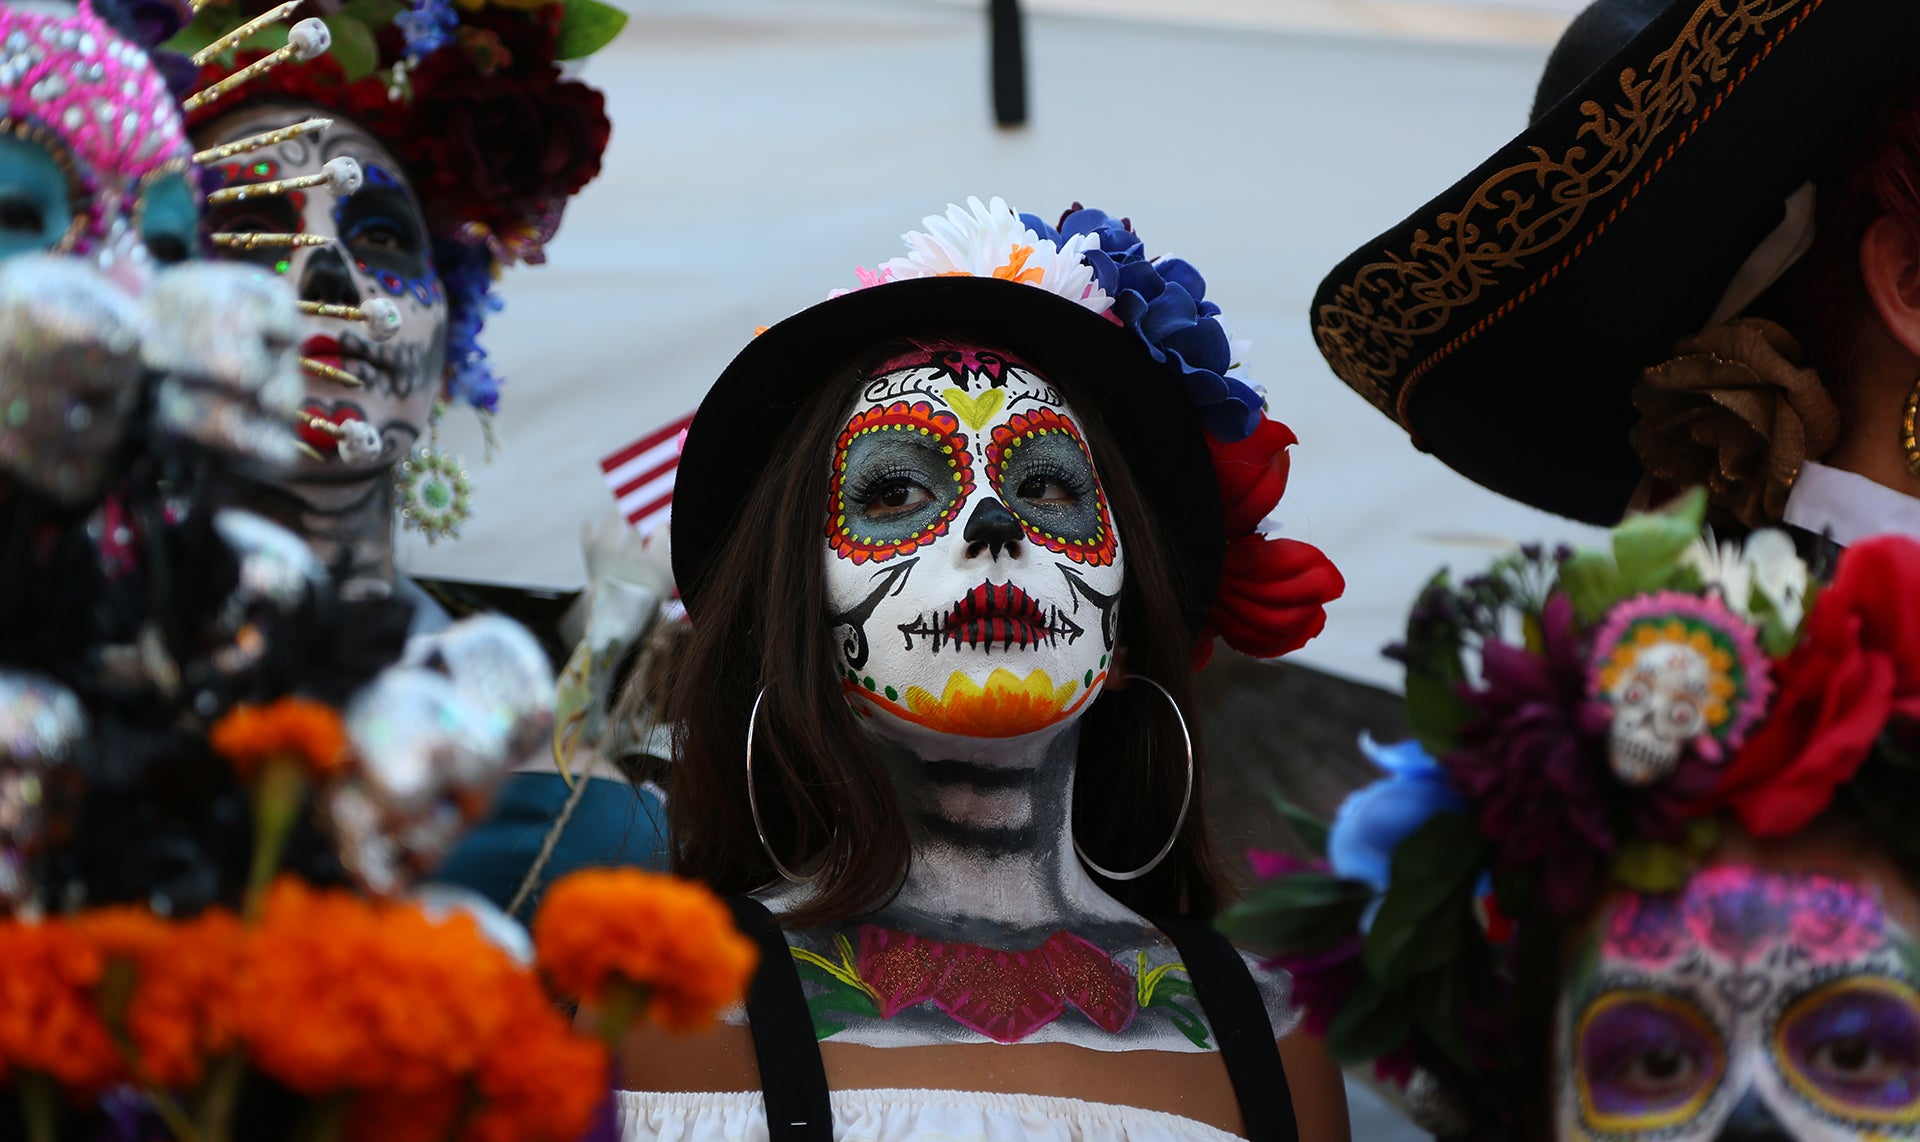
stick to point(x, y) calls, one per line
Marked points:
point(323, 1013)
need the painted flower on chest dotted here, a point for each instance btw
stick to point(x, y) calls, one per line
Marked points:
point(1006, 996)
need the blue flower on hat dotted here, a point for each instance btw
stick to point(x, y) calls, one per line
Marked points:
point(1373, 820)
point(1165, 303)
point(466, 271)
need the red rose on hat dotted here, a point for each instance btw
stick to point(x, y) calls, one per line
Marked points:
point(1857, 667)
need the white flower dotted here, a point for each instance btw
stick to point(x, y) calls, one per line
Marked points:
point(1778, 573)
point(989, 240)
point(1767, 566)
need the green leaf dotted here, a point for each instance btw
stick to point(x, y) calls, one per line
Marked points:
point(1435, 712)
point(586, 26)
point(354, 47)
point(1647, 549)
point(1428, 909)
point(1436, 1012)
point(1309, 829)
point(372, 13)
point(1303, 913)
point(1167, 989)
point(1372, 1022)
point(1190, 1025)
point(1649, 866)
point(210, 24)
point(271, 38)
point(1592, 584)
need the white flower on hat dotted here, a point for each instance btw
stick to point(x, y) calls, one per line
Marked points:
point(988, 240)
point(1766, 571)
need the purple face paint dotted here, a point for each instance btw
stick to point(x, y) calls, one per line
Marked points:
point(1647, 1059)
point(1854, 1046)
point(1790, 991)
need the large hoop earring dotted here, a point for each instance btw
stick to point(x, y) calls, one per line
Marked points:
point(1186, 800)
point(753, 803)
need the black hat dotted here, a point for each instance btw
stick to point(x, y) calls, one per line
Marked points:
point(1505, 323)
point(758, 396)
point(1084, 301)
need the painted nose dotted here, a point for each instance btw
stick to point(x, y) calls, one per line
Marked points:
point(992, 526)
point(1752, 1120)
point(327, 280)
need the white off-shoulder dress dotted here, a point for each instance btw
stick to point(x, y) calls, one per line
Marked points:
point(901, 1115)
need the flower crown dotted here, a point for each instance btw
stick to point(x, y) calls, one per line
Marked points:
point(471, 100)
point(1622, 702)
point(1273, 591)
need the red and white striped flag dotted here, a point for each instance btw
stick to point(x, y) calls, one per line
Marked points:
point(641, 475)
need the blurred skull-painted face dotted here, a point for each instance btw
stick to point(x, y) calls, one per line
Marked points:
point(94, 161)
point(1763, 1001)
point(973, 569)
point(379, 249)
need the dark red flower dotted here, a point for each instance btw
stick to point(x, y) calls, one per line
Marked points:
point(1323, 981)
point(499, 152)
point(1857, 667)
point(1252, 475)
point(318, 81)
point(1273, 595)
point(1534, 761)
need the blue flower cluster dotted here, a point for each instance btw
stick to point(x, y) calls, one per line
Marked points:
point(1165, 302)
point(466, 270)
point(428, 27)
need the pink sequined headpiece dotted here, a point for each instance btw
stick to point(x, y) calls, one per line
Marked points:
point(70, 83)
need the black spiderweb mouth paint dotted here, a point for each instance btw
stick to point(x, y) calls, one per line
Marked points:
point(994, 615)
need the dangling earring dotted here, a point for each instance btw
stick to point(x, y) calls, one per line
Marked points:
point(1909, 437)
point(432, 489)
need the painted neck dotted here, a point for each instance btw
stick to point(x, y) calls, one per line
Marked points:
point(992, 837)
point(350, 527)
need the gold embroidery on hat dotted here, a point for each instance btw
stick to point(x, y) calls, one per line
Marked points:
point(1397, 305)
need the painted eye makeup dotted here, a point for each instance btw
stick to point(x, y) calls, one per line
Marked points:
point(1039, 466)
point(900, 473)
point(377, 224)
point(35, 211)
point(1645, 1061)
point(168, 218)
point(1851, 1048)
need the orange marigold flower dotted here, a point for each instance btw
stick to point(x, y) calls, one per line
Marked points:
point(50, 1018)
point(179, 1010)
point(308, 732)
point(543, 1080)
point(671, 938)
point(343, 994)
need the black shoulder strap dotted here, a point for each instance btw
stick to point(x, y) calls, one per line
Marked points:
point(1238, 1016)
point(793, 1081)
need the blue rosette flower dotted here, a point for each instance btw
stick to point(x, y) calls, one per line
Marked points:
point(1375, 819)
point(1165, 303)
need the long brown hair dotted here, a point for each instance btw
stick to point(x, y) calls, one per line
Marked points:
point(823, 792)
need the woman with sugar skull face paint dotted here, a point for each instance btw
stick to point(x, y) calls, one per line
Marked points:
point(935, 718)
point(393, 256)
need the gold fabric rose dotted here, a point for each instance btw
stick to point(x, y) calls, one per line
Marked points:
point(1734, 409)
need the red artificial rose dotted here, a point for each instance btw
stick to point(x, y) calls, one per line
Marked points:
point(1273, 595)
point(1857, 666)
point(501, 151)
point(1252, 475)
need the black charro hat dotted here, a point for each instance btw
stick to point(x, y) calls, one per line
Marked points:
point(1084, 301)
point(1505, 323)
